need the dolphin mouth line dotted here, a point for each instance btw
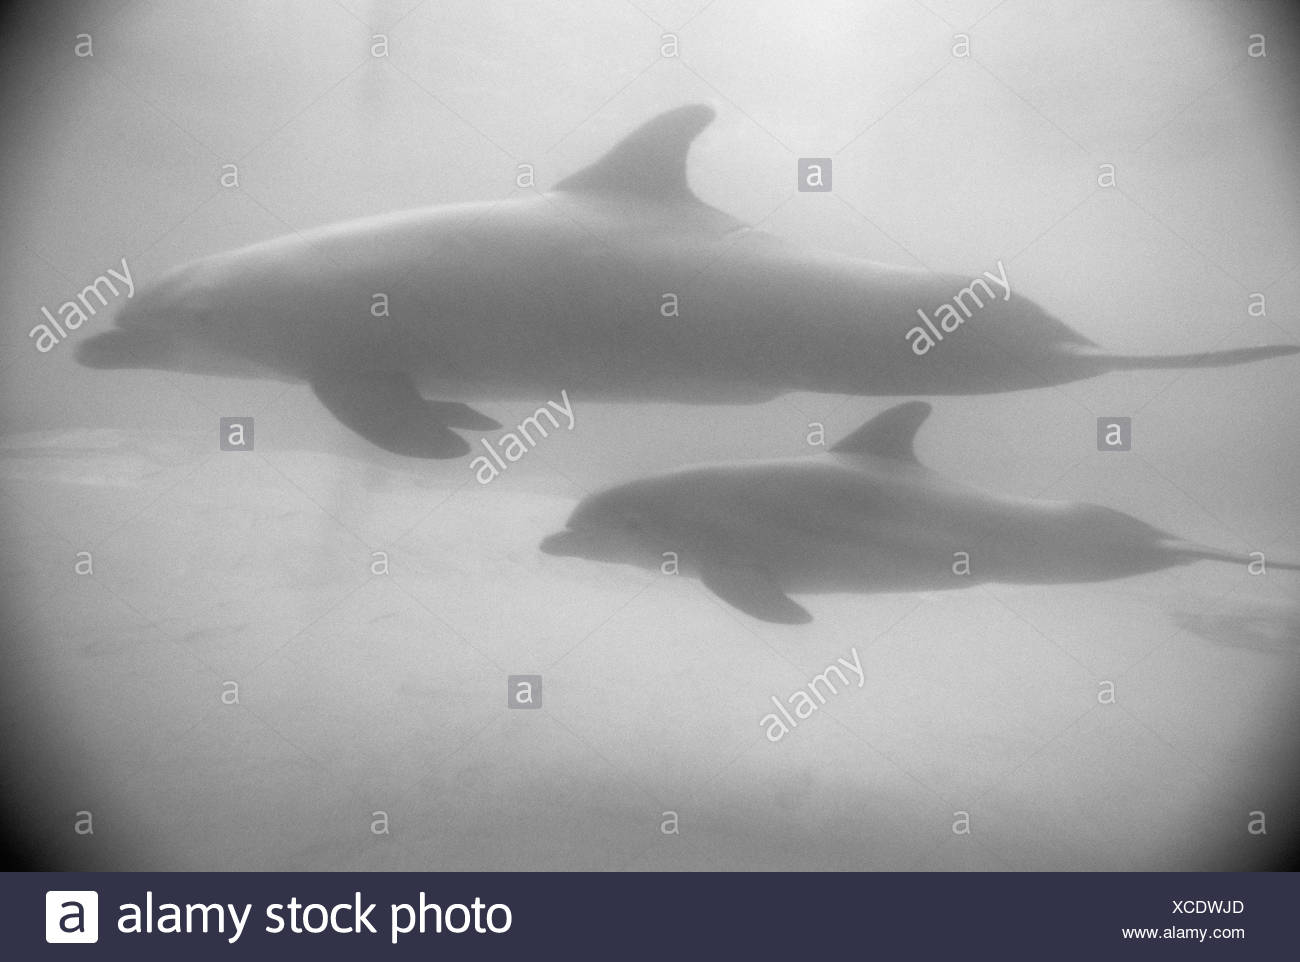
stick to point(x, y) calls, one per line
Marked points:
point(561, 544)
point(117, 349)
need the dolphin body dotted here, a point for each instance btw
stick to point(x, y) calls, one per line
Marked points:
point(570, 290)
point(864, 517)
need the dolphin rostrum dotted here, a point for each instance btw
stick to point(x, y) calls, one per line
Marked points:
point(864, 517)
point(617, 284)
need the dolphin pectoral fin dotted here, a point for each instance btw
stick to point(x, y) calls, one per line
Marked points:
point(454, 414)
point(385, 409)
point(753, 592)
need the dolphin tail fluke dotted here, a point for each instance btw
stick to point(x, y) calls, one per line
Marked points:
point(1241, 355)
point(1191, 551)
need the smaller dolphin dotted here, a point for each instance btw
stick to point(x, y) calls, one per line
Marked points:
point(864, 517)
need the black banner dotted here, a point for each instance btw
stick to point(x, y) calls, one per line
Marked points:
point(418, 915)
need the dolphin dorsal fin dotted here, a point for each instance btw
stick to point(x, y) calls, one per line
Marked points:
point(888, 435)
point(650, 161)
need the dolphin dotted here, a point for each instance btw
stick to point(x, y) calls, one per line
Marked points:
point(865, 516)
point(617, 284)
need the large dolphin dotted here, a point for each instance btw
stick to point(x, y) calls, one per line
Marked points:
point(864, 517)
point(617, 284)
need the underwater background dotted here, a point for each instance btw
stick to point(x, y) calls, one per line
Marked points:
point(362, 693)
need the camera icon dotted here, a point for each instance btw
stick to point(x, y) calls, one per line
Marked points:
point(71, 916)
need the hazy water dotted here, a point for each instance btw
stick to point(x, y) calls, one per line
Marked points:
point(362, 694)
